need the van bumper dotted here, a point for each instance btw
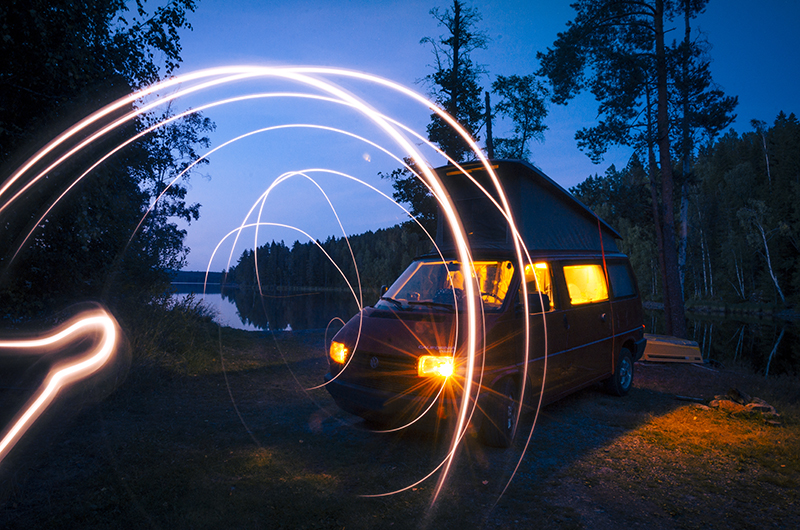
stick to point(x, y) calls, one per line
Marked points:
point(640, 345)
point(375, 404)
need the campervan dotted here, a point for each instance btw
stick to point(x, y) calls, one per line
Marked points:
point(408, 356)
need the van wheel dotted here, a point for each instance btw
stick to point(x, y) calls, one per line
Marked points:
point(500, 415)
point(621, 382)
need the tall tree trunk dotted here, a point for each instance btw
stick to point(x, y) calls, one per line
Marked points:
point(769, 261)
point(652, 172)
point(766, 157)
point(686, 148)
point(684, 236)
point(774, 349)
point(672, 289)
point(489, 141)
point(659, 238)
point(739, 287)
point(454, 71)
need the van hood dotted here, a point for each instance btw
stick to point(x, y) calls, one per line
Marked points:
point(401, 334)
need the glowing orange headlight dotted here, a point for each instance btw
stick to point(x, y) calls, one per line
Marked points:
point(338, 352)
point(434, 365)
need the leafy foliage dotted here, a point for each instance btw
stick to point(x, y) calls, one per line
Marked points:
point(454, 81)
point(409, 189)
point(59, 61)
point(455, 86)
point(618, 50)
point(169, 158)
point(523, 102)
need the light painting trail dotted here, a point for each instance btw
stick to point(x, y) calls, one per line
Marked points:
point(88, 324)
point(313, 78)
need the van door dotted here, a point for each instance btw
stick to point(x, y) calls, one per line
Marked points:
point(544, 318)
point(588, 322)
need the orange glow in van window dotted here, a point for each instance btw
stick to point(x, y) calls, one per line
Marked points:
point(494, 279)
point(537, 276)
point(585, 283)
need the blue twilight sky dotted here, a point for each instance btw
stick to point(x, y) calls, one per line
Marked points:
point(753, 57)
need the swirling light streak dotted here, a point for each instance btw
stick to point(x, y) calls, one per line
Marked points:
point(447, 208)
point(463, 251)
point(262, 200)
point(286, 176)
point(258, 223)
point(301, 75)
point(61, 376)
point(304, 173)
point(349, 285)
point(105, 130)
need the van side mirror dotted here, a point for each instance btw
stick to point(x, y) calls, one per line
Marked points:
point(536, 301)
point(384, 288)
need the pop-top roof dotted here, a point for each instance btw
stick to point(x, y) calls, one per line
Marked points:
point(547, 216)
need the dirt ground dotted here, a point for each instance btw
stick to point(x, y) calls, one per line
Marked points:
point(254, 446)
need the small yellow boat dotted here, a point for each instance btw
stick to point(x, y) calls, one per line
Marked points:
point(667, 349)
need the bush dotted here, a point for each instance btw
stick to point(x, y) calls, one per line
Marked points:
point(175, 333)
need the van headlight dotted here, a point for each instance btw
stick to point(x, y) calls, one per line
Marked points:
point(435, 365)
point(338, 352)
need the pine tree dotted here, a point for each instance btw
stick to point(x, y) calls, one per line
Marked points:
point(617, 49)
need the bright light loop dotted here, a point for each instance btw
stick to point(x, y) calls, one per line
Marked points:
point(62, 376)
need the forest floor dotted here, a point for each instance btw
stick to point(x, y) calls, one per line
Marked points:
point(244, 442)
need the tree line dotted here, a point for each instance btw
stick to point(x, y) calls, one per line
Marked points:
point(742, 210)
point(379, 256)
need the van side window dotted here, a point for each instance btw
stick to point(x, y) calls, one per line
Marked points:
point(585, 283)
point(621, 279)
point(538, 280)
point(494, 279)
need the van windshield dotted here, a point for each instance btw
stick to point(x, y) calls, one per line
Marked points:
point(441, 285)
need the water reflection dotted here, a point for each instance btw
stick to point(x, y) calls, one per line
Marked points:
point(292, 310)
point(765, 345)
point(274, 311)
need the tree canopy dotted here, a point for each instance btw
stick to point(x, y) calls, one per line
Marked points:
point(617, 49)
point(455, 84)
point(59, 61)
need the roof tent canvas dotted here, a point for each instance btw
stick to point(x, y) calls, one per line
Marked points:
point(547, 216)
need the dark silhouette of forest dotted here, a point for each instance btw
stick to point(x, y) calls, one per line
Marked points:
point(380, 257)
point(741, 207)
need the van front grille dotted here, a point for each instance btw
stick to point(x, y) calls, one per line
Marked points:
point(387, 373)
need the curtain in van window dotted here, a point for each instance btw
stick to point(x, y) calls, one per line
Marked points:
point(585, 283)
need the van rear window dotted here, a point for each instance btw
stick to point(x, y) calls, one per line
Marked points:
point(621, 279)
point(585, 283)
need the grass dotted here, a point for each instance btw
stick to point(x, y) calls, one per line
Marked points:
point(230, 436)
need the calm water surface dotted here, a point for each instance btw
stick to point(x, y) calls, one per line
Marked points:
point(246, 309)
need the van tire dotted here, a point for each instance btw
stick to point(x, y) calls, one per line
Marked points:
point(500, 414)
point(621, 382)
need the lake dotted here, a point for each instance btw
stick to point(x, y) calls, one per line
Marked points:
point(277, 311)
point(762, 344)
